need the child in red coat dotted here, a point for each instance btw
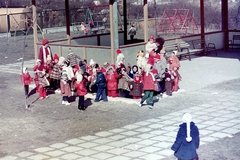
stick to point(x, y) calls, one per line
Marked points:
point(81, 91)
point(65, 89)
point(26, 79)
point(112, 85)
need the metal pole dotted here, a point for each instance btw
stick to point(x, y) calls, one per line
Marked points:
point(145, 8)
point(125, 20)
point(7, 18)
point(225, 22)
point(67, 21)
point(155, 15)
point(35, 38)
point(202, 21)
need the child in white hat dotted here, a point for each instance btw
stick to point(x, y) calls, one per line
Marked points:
point(187, 140)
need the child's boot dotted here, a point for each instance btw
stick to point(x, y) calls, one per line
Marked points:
point(67, 103)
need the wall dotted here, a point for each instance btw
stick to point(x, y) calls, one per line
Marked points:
point(17, 18)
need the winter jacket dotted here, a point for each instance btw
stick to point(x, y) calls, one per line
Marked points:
point(42, 78)
point(69, 72)
point(186, 150)
point(174, 63)
point(80, 87)
point(112, 81)
point(26, 79)
point(123, 82)
point(137, 89)
point(65, 88)
point(101, 80)
point(148, 81)
point(72, 57)
point(56, 72)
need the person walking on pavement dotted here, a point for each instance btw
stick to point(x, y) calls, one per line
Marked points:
point(187, 140)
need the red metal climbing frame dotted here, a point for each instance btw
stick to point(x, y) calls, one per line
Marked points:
point(179, 21)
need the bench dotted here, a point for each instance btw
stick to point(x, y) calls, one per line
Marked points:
point(97, 29)
point(235, 42)
point(200, 46)
point(182, 49)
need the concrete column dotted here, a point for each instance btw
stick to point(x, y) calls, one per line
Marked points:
point(202, 21)
point(225, 22)
point(145, 12)
point(35, 38)
point(113, 29)
point(125, 21)
point(67, 21)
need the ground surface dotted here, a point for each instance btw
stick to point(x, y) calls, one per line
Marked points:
point(205, 80)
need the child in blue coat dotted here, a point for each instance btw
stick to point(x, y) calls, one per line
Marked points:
point(187, 140)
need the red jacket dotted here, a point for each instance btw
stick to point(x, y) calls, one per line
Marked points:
point(26, 79)
point(112, 84)
point(151, 58)
point(80, 87)
point(148, 81)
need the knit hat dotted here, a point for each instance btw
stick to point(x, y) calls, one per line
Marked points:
point(55, 57)
point(119, 51)
point(151, 38)
point(91, 62)
point(64, 73)
point(44, 42)
point(79, 78)
point(187, 118)
point(155, 71)
point(24, 70)
point(38, 60)
point(70, 50)
point(137, 78)
point(61, 60)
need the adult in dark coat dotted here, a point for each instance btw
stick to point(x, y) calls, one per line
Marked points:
point(187, 140)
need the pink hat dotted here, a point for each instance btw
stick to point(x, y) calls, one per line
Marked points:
point(151, 38)
point(154, 71)
point(55, 57)
point(45, 41)
point(119, 51)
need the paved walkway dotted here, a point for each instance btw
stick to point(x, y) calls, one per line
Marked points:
point(151, 139)
point(146, 140)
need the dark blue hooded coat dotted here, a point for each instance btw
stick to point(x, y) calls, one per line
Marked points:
point(186, 150)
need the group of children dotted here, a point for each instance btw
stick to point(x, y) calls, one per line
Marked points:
point(153, 74)
point(72, 75)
